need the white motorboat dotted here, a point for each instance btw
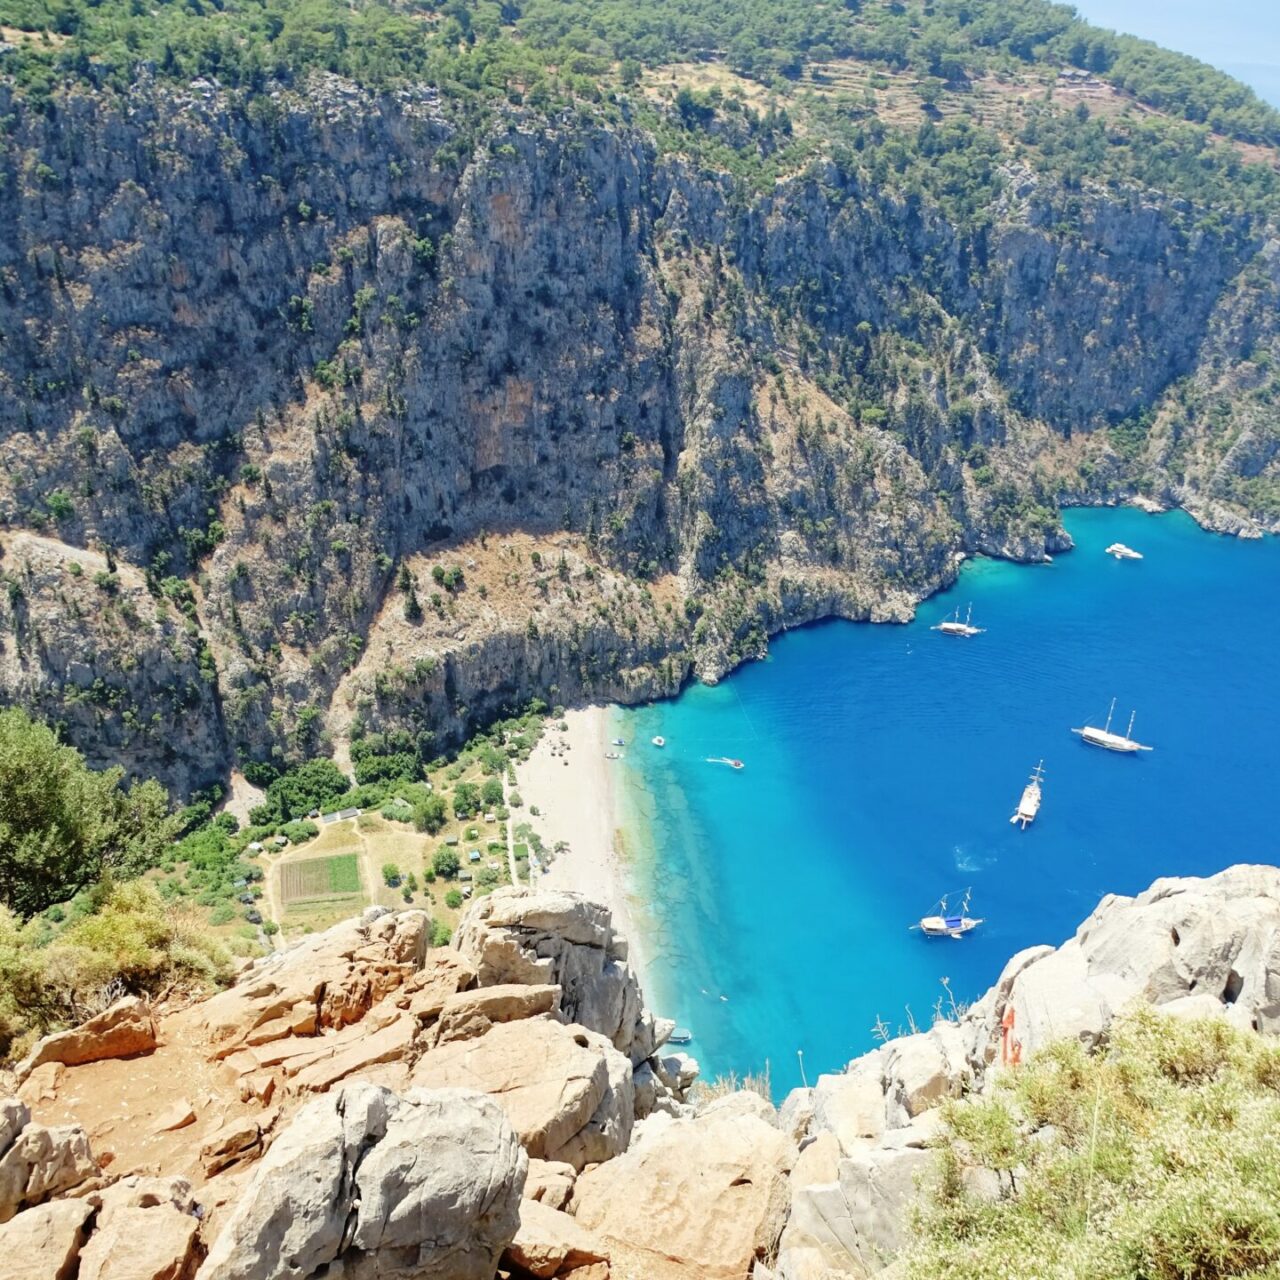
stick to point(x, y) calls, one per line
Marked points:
point(1121, 552)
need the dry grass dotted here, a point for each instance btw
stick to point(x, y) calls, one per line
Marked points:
point(704, 1092)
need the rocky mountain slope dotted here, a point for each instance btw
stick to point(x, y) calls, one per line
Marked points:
point(506, 1105)
point(402, 418)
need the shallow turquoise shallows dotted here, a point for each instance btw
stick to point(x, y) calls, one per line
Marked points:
point(882, 764)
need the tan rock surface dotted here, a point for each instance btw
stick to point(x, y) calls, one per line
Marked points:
point(44, 1243)
point(472, 1013)
point(550, 1243)
point(551, 1182)
point(701, 1198)
point(156, 1243)
point(125, 1030)
point(547, 1077)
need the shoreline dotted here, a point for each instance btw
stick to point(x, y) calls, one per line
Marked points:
point(573, 786)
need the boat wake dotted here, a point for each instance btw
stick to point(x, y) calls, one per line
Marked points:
point(966, 861)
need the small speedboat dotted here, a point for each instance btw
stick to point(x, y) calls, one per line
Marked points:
point(1121, 552)
point(659, 741)
point(681, 1035)
point(619, 742)
point(729, 760)
point(612, 755)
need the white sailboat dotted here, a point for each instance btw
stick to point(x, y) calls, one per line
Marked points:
point(954, 627)
point(1029, 805)
point(947, 924)
point(1122, 742)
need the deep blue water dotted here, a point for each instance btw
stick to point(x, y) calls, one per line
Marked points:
point(883, 763)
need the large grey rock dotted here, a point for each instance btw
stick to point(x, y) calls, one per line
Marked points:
point(40, 1162)
point(427, 1186)
point(1218, 936)
point(546, 936)
point(854, 1224)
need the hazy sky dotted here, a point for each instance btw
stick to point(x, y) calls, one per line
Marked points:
point(1240, 36)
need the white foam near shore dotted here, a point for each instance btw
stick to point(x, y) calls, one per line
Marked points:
point(571, 782)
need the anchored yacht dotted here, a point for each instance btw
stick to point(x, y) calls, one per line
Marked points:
point(1029, 805)
point(1123, 742)
point(1121, 552)
point(954, 627)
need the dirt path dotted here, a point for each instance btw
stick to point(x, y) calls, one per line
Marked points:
point(511, 850)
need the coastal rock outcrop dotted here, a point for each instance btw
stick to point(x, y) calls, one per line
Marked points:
point(550, 936)
point(425, 1185)
point(437, 1113)
point(1186, 946)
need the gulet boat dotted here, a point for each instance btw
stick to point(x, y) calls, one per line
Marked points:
point(1029, 805)
point(954, 627)
point(1125, 742)
point(948, 924)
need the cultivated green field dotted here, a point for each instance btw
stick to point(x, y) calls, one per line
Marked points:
point(314, 878)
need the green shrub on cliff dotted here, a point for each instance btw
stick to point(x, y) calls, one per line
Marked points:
point(118, 939)
point(63, 825)
point(1156, 1157)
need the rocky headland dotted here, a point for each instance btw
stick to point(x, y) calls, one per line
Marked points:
point(365, 1105)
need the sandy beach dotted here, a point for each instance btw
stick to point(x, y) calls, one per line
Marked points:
point(572, 785)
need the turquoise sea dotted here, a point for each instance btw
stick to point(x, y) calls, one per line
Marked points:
point(883, 763)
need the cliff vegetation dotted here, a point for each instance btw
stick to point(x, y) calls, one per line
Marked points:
point(1153, 1156)
point(374, 369)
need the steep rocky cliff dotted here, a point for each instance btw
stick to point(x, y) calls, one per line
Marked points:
point(366, 1105)
point(282, 355)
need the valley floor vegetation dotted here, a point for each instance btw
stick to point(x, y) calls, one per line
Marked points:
point(107, 889)
point(1153, 1158)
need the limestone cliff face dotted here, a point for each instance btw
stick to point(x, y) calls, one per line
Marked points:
point(269, 354)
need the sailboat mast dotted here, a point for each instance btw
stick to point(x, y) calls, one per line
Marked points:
point(1132, 716)
point(1109, 715)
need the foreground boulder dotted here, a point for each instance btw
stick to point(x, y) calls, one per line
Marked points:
point(566, 1090)
point(425, 1186)
point(124, 1030)
point(145, 1229)
point(694, 1198)
point(44, 1243)
point(38, 1162)
point(550, 1243)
